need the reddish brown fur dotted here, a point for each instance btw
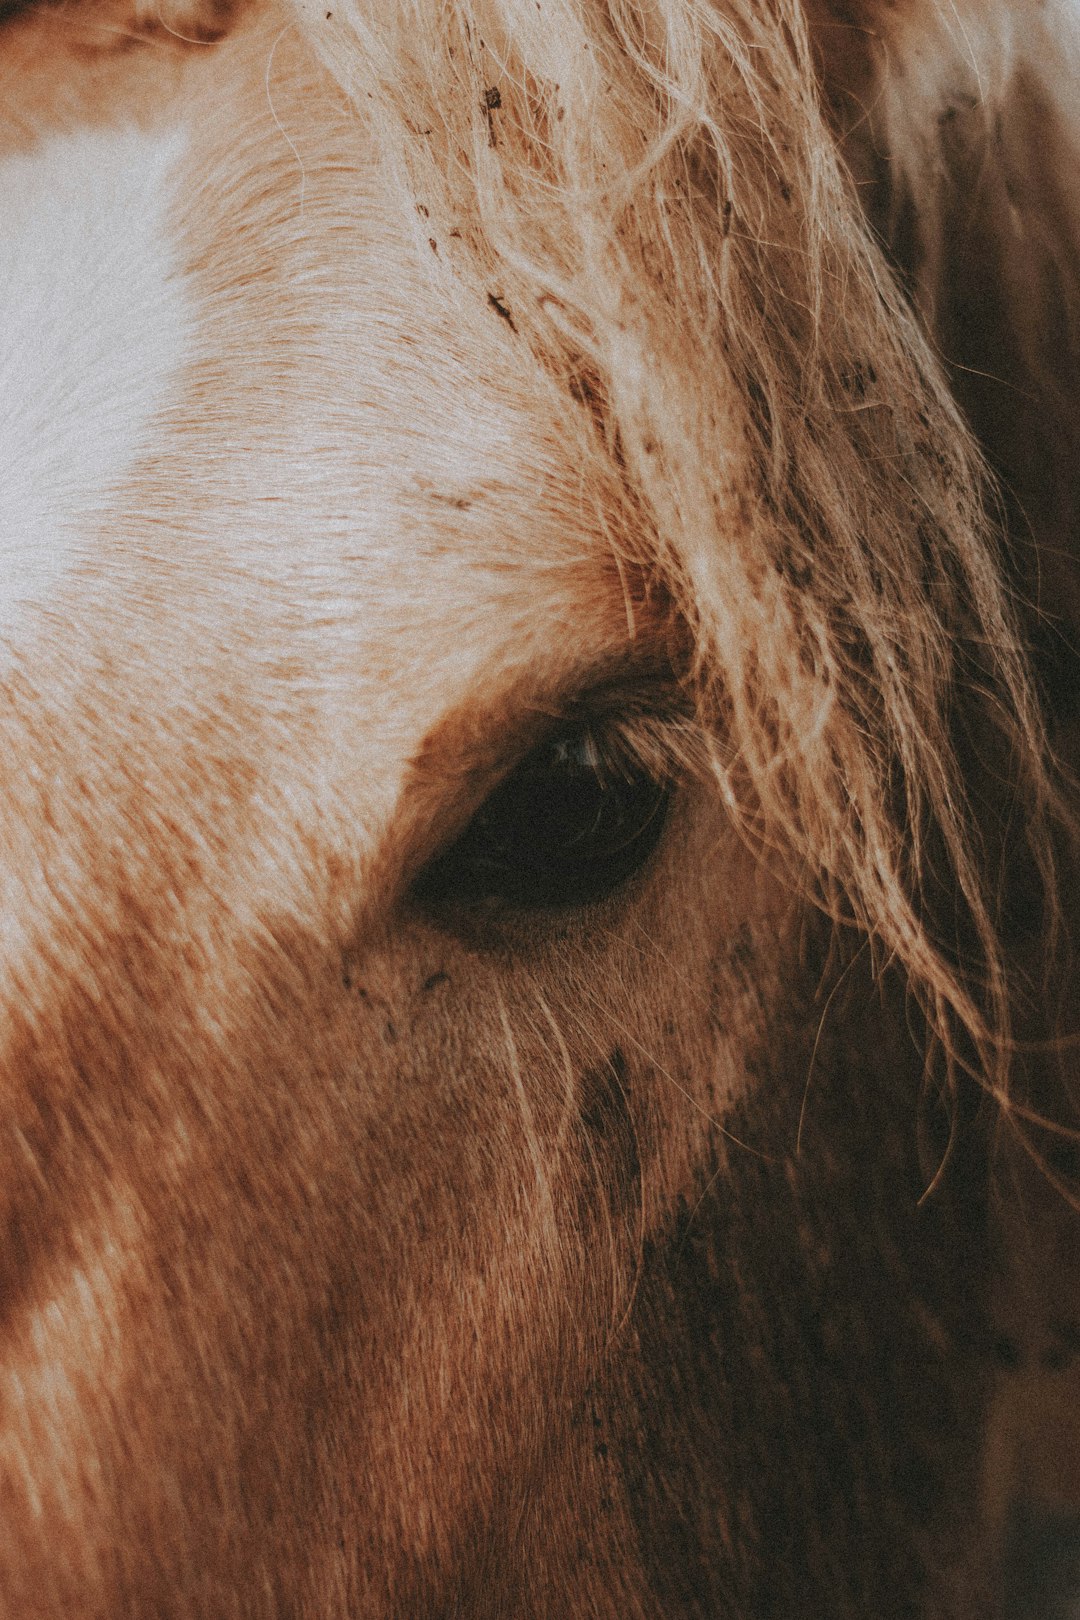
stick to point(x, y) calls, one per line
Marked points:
point(364, 1263)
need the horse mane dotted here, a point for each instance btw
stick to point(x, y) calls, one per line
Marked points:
point(648, 193)
point(959, 126)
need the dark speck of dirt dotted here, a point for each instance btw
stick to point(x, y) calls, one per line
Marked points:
point(491, 103)
point(1006, 1353)
point(1055, 1359)
point(433, 981)
point(1067, 1331)
point(604, 1095)
point(502, 310)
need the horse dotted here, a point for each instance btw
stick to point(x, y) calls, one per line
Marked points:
point(539, 674)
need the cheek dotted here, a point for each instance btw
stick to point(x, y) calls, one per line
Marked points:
point(575, 1067)
point(413, 1204)
point(527, 1117)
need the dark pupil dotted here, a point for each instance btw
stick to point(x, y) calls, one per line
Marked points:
point(561, 830)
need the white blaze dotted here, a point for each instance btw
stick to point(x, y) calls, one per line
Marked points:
point(93, 325)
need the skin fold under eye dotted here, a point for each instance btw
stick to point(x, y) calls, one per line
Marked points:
point(577, 816)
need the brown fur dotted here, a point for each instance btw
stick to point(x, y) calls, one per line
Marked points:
point(367, 1262)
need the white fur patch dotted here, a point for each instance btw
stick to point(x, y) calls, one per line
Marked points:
point(93, 325)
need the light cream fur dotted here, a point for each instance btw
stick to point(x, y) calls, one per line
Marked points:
point(83, 221)
point(368, 1261)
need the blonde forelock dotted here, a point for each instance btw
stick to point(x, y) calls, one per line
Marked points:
point(648, 192)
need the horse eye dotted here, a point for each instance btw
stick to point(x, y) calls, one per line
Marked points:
point(569, 824)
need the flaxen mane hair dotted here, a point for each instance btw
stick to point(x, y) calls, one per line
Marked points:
point(647, 192)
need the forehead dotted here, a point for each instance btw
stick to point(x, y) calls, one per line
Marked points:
point(262, 424)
